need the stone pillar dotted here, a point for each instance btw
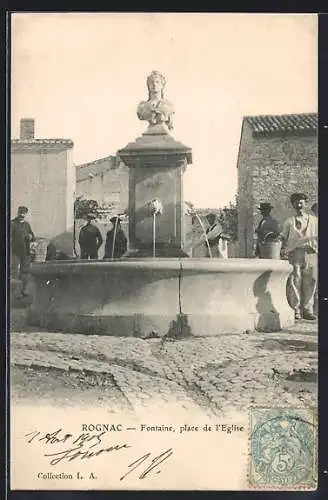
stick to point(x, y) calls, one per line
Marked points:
point(156, 164)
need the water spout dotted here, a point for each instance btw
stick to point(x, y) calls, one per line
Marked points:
point(155, 206)
point(154, 236)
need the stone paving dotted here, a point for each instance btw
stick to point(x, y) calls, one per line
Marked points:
point(215, 374)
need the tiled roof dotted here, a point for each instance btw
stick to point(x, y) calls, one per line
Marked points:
point(22, 145)
point(292, 124)
point(66, 142)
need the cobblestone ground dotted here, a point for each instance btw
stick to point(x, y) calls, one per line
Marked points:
point(213, 374)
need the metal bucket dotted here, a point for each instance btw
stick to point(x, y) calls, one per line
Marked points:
point(270, 250)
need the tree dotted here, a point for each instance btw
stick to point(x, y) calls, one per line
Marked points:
point(83, 207)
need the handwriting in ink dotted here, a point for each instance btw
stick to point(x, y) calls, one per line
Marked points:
point(73, 453)
point(83, 447)
point(55, 438)
point(153, 465)
point(50, 438)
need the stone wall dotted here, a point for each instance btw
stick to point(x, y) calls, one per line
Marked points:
point(43, 179)
point(106, 181)
point(244, 196)
point(271, 169)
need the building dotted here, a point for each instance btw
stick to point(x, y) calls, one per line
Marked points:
point(278, 155)
point(43, 179)
point(105, 180)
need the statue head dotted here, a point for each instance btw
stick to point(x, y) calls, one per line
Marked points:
point(156, 83)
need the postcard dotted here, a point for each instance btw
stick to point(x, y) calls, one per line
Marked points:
point(164, 243)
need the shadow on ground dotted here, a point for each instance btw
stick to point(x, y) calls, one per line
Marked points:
point(288, 345)
point(303, 376)
point(300, 381)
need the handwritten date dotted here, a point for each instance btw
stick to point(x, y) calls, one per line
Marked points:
point(87, 445)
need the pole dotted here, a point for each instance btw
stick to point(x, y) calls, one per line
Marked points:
point(154, 235)
point(114, 237)
point(74, 231)
point(204, 232)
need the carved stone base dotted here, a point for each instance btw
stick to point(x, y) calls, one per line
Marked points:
point(161, 252)
point(137, 297)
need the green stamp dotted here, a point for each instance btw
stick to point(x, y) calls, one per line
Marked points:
point(282, 449)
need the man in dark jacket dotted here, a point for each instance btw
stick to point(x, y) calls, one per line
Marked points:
point(267, 226)
point(90, 239)
point(21, 238)
point(116, 241)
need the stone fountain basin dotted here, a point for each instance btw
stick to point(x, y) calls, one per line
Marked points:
point(138, 297)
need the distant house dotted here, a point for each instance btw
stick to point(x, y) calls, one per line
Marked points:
point(278, 155)
point(43, 179)
point(105, 180)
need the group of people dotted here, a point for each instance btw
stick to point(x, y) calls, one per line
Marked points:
point(298, 236)
point(299, 244)
point(90, 239)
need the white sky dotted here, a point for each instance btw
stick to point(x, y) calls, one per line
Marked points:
point(81, 76)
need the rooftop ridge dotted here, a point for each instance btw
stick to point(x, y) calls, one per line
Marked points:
point(95, 162)
point(311, 113)
point(292, 123)
point(58, 140)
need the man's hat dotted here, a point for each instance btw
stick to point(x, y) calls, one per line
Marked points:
point(265, 206)
point(23, 210)
point(115, 219)
point(297, 197)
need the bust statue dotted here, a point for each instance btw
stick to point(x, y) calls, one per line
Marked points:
point(157, 109)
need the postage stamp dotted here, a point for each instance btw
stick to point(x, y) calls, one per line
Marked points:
point(282, 449)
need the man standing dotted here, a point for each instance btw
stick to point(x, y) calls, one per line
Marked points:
point(216, 238)
point(300, 243)
point(90, 239)
point(315, 211)
point(116, 241)
point(268, 225)
point(21, 238)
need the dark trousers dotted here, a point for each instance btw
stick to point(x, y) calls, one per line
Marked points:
point(89, 253)
point(21, 269)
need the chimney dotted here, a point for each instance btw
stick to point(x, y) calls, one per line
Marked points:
point(27, 128)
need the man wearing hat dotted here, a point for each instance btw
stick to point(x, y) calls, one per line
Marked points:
point(90, 239)
point(300, 244)
point(21, 238)
point(268, 225)
point(216, 238)
point(116, 241)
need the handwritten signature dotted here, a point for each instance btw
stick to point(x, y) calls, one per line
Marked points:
point(154, 463)
point(87, 445)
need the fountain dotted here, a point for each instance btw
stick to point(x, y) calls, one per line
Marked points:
point(156, 286)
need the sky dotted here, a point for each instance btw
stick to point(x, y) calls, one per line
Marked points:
point(81, 76)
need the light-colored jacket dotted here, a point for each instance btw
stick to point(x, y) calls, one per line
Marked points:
point(300, 238)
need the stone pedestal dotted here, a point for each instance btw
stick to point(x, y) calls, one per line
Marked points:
point(156, 164)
